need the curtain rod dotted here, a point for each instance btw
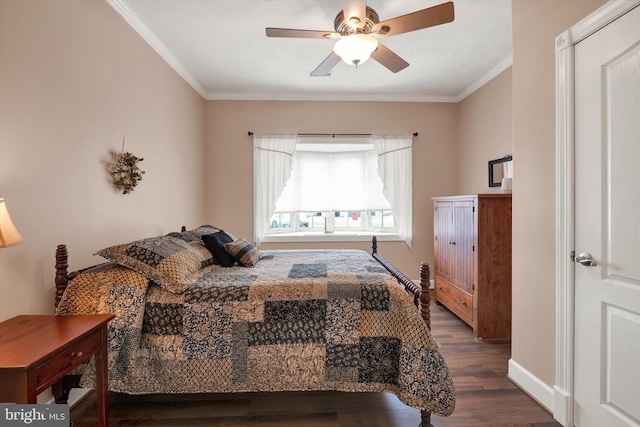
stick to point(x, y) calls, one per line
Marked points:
point(332, 135)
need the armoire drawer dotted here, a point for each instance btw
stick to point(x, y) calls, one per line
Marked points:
point(455, 299)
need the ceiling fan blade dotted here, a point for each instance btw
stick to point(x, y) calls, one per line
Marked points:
point(326, 66)
point(305, 34)
point(424, 18)
point(389, 59)
point(355, 9)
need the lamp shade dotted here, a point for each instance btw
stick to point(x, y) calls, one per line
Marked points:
point(9, 236)
point(355, 49)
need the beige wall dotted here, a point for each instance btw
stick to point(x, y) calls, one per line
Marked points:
point(75, 78)
point(484, 133)
point(535, 26)
point(229, 203)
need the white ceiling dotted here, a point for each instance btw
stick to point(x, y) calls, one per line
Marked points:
point(220, 48)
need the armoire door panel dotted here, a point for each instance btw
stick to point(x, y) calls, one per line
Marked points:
point(463, 224)
point(442, 242)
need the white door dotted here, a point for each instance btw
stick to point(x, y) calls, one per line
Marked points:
point(607, 218)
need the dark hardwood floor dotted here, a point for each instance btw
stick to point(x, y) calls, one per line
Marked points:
point(484, 397)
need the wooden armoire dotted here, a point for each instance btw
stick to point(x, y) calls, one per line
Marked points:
point(472, 260)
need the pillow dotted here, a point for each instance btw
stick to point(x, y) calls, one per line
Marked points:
point(168, 261)
point(209, 259)
point(196, 243)
point(244, 252)
point(215, 243)
point(187, 237)
point(85, 293)
point(202, 230)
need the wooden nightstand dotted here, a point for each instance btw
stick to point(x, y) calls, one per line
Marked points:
point(37, 351)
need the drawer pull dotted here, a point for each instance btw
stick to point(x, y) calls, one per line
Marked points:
point(464, 303)
point(78, 354)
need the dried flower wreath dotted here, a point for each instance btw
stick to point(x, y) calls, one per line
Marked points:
point(124, 170)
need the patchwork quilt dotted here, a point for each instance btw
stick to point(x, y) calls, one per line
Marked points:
point(297, 320)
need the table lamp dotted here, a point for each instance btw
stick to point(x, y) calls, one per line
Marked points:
point(9, 236)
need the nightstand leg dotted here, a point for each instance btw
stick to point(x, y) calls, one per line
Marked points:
point(102, 386)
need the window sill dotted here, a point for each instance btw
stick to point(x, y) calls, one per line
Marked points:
point(336, 236)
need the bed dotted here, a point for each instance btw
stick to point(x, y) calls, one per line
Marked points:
point(203, 312)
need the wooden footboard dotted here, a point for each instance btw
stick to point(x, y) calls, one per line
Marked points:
point(421, 297)
point(421, 294)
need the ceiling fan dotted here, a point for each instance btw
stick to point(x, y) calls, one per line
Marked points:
point(358, 30)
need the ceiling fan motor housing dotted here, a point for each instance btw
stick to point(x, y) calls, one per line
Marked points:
point(342, 25)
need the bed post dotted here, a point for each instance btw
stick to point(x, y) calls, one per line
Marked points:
point(60, 390)
point(425, 312)
point(62, 280)
point(425, 419)
point(425, 292)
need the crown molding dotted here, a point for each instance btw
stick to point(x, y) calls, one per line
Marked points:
point(145, 32)
point(236, 96)
point(486, 78)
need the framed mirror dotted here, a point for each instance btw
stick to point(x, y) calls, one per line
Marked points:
point(500, 168)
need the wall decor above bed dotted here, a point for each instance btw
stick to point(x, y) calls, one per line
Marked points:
point(124, 170)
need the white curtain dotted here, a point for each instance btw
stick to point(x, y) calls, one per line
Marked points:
point(394, 168)
point(272, 165)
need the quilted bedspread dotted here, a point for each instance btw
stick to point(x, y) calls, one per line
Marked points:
point(298, 320)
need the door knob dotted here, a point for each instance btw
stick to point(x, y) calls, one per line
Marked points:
point(586, 259)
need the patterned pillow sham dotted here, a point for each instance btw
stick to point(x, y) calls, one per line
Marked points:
point(197, 243)
point(195, 238)
point(183, 235)
point(202, 230)
point(215, 244)
point(167, 260)
point(88, 292)
point(244, 252)
point(209, 259)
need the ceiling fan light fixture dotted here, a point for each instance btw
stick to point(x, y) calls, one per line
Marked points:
point(354, 21)
point(356, 48)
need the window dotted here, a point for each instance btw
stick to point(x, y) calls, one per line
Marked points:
point(332, 221)
point(334, 185)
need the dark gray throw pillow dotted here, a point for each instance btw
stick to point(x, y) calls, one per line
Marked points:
point(215, 243)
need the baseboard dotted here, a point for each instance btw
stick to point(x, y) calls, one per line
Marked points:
point(532, 385)
point(562, 407)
